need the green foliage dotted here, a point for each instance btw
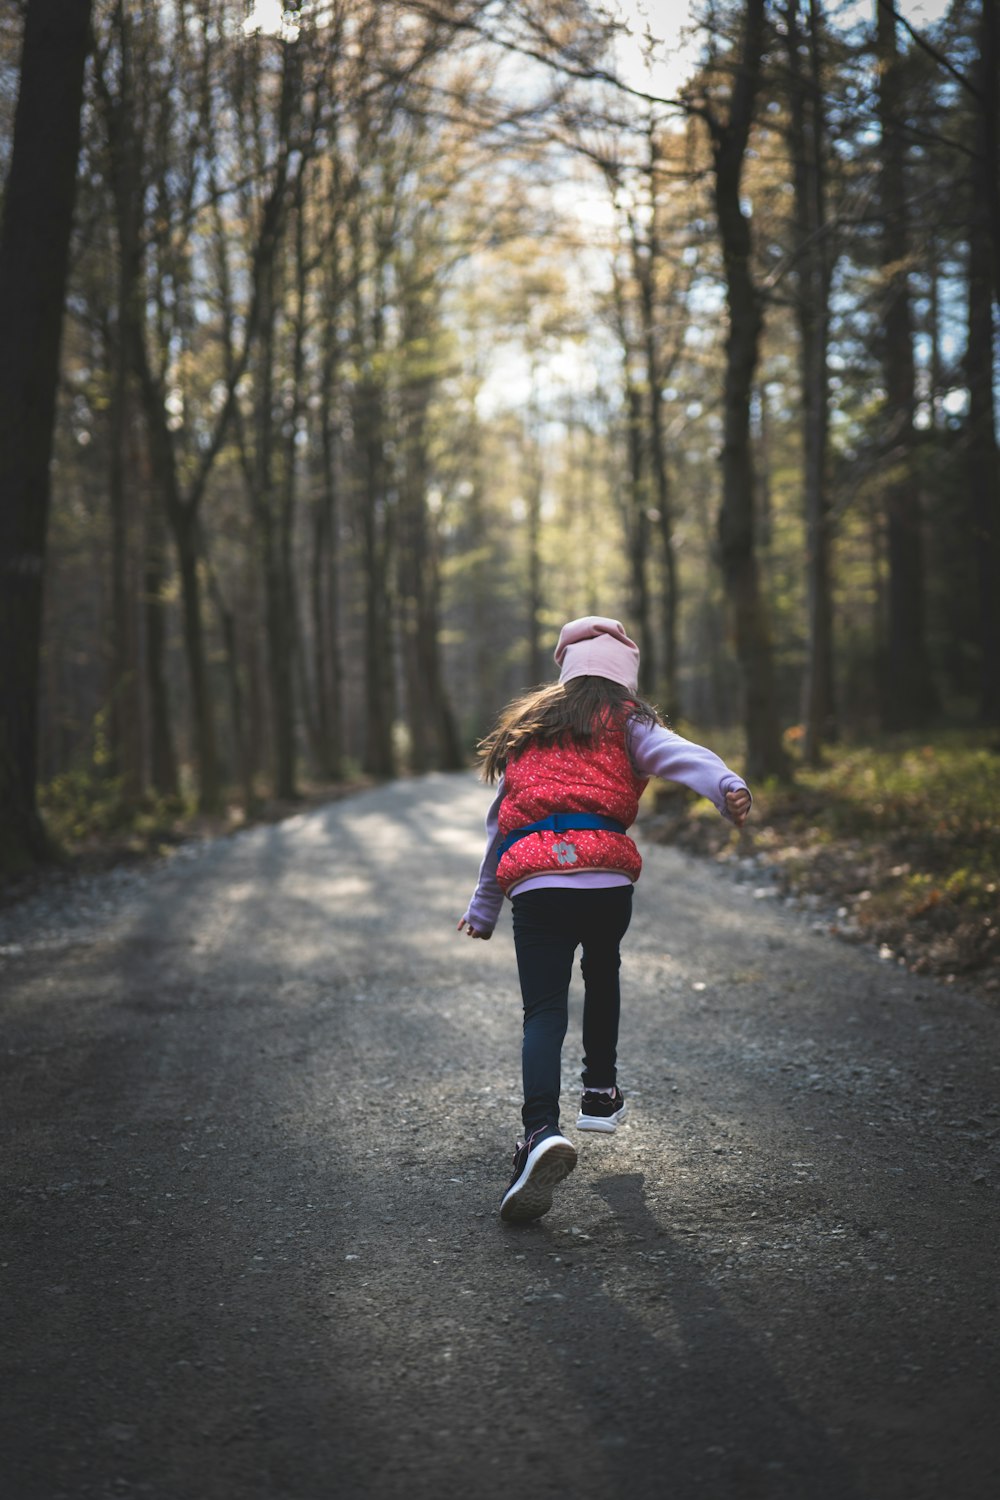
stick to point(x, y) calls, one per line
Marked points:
point(899, 836)
point(85, 807)
point(79, 804)
point(945, 794)
point(904, 834)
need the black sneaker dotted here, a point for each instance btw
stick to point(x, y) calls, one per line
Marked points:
point(540, 1162)
point(600, 1111)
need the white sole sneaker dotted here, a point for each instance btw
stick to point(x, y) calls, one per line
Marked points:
point(606, 1123)
point(530, 1194)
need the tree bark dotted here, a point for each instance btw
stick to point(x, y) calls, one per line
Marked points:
point(274, 508)
point(535, 480)
point(988, 143)
point(325, 593)
point(814, 265)
point(981, 455)
point(376, 534)
point(637, 535)
point(433, 735)
point(34, 254)
point(765, 753)
point(636, 508)
point(646, 266)
point(325, 560)
point(182, 518)
point(237, 713)
point(909, 699)
point(126, 183)
point(162, 758)
point(376, 551)
point(485, 691)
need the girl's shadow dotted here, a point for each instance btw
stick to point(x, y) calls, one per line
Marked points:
point(688, 1398)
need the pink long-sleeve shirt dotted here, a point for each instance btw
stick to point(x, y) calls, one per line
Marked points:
point(654, 751)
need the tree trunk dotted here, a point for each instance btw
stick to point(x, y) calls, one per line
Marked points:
point(535, 478)
point(262, 470)
point(636, 510)
point(282, 619)
point(270, 537)
point(34, 252)
point(272, 505)
point(324, 590)
point(765, 754)
point(637, 535)
point(182, 518)
point(183, 524)
point(987, 167)
point(376, 552)
point(237, 713)
point(162, 759)
point(813, 276)
point(124, 688)
point(432, 727)
point(645, 272)
point(908, 698)
point(126, 181)
point(325, 595)
point(485, 692)
point(372, 498)
point(411, 565)
point(980, 430)
point(589, 509)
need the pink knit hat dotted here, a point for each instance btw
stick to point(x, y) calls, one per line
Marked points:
point(597, 647)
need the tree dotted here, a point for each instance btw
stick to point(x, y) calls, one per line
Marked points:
point(983, 290)
point(635, 490)
point(729, 136)
point(909, 695)
point(813, 260)
point(34, 250)
point(270, 463)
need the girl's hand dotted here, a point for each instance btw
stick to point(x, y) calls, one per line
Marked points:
point(473, 932)
point(738, 805)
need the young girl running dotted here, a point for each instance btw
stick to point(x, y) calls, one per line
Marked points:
point(573, 759)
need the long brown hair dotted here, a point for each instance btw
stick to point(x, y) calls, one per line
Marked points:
point(559, 713)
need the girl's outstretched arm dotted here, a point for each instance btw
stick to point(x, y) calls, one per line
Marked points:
point(656, 751)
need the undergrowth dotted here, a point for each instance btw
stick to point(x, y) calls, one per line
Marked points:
point(84, 811)
point(900, 837)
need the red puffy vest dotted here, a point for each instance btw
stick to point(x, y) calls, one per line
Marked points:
point(545, 779)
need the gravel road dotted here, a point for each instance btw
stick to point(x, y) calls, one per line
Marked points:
point(258, 1109)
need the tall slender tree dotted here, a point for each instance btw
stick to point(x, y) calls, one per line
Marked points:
point(813, 273)
point(982, 459)
point(730, 134)
point(909, 697)
point(34, 252)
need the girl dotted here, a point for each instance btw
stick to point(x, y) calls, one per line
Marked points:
point(573, 759)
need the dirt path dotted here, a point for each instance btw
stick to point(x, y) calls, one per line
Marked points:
point(257, 1113)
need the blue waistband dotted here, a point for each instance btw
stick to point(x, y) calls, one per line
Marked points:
point(561, 823)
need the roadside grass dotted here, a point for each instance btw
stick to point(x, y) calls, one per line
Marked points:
point(86, 813)
point(92, 828)
point(91, 825)
point(900, 838)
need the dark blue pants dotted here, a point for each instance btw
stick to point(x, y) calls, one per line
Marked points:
point(549, 926)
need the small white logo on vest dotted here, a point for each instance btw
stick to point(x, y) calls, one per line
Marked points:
point(565, 853)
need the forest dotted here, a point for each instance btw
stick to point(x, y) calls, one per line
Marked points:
point(352, 346)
